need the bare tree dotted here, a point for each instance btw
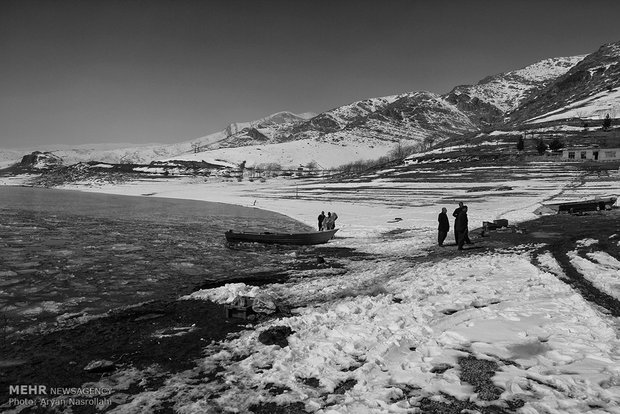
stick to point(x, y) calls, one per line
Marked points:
point(541, 147)
point(397, 152)
point(401, 151)
point(556, 145)
point(520, 144)
point(429, 141)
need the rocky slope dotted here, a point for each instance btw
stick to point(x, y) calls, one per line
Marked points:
point(270, 129)
point(597, 73)
point(488, 101)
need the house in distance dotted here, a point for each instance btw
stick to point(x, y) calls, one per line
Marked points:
point(590, 154)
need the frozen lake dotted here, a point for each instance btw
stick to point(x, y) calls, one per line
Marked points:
point(65, 255)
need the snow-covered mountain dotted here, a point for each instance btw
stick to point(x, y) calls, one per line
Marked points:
point(366, 129)
point(493, 97)
point(406, 117)
point(594, 107)
point(338, 118)
point(552, 89)
point(371, 127)
point(588, 91)
point(269, 130)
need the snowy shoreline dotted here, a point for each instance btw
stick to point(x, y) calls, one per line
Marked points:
point(395, 330)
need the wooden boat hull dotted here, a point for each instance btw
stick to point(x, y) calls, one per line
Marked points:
point(602, 203)
point(317, 237)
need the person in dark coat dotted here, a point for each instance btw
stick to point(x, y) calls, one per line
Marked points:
point(460, 227)
point(444, 226)
point(455, 214)
point(321, 218)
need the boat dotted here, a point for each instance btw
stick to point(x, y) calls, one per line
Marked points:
point(317, 237)
point(578, 206)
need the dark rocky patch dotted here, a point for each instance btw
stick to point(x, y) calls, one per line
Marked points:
point(478, 372)
point(58, 359)
point(440, 368)
point(345, 386)
point(274, 389)
point(273, 408)
point(451, 405)
point(449, 312)
point(343, 252)
point(394, 232)
point(311, 382)
point(275, 335)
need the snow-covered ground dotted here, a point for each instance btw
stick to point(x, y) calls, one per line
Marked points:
point(397, 328)
point(496, 307)
point(295, 153)
point(596, 106)
point(600, 268)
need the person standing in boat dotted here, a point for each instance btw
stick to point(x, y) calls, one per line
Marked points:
point(327, 221)
point(321, 218)
point(444, 226)
point(332, 224)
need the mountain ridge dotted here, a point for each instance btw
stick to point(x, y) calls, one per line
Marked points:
point(368, 126)
point(494, 96)
point(597, 72)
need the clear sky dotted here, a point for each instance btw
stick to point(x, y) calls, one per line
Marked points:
point(145, 71)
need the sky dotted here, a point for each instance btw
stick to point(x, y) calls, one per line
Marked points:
point(78, 72)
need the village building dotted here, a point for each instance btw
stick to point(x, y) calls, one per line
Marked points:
point(591, 154)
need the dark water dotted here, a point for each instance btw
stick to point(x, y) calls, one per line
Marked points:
point(64, 254)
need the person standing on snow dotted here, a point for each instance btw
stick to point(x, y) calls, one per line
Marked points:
point(444, 226)
point(460, 227)
point(455, 214)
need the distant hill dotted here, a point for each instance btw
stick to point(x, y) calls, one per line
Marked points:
point(552, 90)
point(144, 154)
